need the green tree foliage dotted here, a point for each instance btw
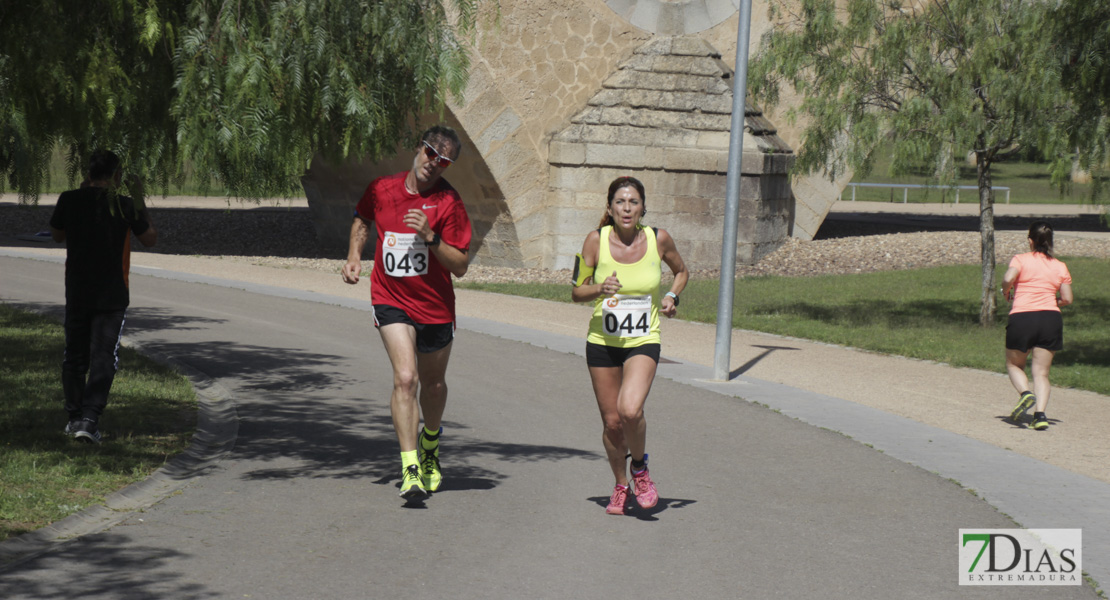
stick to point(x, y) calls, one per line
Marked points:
point(941, 79)
point(84, 75)
point(246, 90)
point(1081, 29)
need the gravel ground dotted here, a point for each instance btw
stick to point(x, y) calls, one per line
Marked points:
point(287, 239)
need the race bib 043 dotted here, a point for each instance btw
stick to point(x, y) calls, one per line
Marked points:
point(626, 316)
point(404, 255)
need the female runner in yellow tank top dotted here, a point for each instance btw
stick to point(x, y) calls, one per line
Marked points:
point(620, 270)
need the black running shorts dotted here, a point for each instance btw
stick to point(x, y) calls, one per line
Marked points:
point(429, 337)
point(1037, 329)
point(608, 356)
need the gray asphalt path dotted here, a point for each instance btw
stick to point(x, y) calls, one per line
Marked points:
point(754, 503)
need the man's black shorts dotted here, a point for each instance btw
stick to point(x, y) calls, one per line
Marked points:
point(1037, 329)
point(429, 337)
point(608, 356)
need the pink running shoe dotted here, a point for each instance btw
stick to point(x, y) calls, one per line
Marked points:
point(646, 496)
point(617, 500)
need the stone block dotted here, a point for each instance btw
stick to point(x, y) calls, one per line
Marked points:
point(568, 244)
point(532, 202)
point(480, 113)
point(692, 204)
point(783, 163)
point(596, 201)
point(508, 157)
point(561, 198)
point(640, 62)
point(607, 97)
point(806, 221)
point(718, 140)
point(617, 115)
point(754, 145)
point(659, 46)
point(593, 115)
point(654, 158)
point(696, 17)
point(692, 46)
point(571, 221)
point(659, 204)
point(685, 159)
point(751, 187)
point(709, 185)
point(523, 178)
point(753, 163)
point(580, 179)
point(689, 65)
point(671, 20)
point(478, 81)
point(690, 101)
point(631, 157)
point(623, 8)
point(532, 227)
point(778, 186)
point(566, 153)
point(646, 15)
point(503, 126)
point(572, 133)
point(719, 10)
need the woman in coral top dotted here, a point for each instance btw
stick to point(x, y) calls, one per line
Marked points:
point(1038, 285)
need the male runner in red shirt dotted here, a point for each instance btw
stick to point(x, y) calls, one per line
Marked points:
point(423, 237)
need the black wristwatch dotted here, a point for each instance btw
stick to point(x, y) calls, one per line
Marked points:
point(673, 295)
point(435, 240)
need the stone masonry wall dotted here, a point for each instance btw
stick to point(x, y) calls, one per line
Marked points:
point(534, 68)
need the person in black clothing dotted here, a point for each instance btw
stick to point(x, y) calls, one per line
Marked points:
point(96, 223)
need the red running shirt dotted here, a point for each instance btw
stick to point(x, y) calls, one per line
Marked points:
point(1039, 278)
point(406, 273)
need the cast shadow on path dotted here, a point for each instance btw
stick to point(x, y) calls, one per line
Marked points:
point(631, 509)
point(767, 350)
point(105, 573)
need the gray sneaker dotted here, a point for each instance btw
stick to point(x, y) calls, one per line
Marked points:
point(86, 431)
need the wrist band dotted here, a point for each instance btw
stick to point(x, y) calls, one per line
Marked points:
point(673, 295)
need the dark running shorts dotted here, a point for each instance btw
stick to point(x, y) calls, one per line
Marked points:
point(608, 356)
point(429, 338)
point(1037, 329)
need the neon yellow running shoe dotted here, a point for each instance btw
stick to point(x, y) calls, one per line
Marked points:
point(1027, 401)
point(411, 489)
point(430, 475)
point(1040, 422)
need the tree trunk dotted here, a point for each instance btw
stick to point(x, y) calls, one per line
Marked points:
point(987, 307)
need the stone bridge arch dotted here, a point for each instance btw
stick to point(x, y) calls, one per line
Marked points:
point(532, 73)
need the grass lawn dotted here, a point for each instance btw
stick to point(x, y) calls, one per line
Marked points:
point(45, 475)
point(1028, 183)
point(931, 314)
point(59, 182)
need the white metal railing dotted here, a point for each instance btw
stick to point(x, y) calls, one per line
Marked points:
point(906, 187)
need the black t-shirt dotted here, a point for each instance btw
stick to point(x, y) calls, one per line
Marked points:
point(98, 224)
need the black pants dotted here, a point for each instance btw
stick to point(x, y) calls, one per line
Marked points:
point(91, 359)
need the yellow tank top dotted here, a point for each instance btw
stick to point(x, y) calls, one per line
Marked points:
point(630, 318)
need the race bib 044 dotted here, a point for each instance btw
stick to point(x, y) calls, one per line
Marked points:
point(404, 255)
point(626, 316)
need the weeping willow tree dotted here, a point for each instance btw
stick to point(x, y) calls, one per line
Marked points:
point(1081, 29)
point(246, 91)
point(938, 79)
